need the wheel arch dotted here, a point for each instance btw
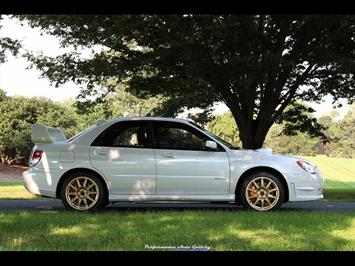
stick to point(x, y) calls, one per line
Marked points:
point(265, 169)
point(75, 170)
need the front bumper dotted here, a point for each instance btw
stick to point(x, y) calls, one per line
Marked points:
point(305, 186)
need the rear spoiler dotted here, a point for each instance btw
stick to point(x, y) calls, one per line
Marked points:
point(45, 134)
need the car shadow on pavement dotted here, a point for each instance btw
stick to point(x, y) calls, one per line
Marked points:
point(56, 205)
point(156, 207)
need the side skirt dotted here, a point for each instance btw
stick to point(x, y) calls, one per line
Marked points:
point(228, 197)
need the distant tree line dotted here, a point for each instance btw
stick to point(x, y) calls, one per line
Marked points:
point(18, 113)
point(338, 139)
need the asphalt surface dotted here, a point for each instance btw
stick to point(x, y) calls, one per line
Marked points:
point(56, 205)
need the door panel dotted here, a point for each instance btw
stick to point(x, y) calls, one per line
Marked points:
point(124, 154)
point(192, 172)
point(185, 165)
point(128, 170)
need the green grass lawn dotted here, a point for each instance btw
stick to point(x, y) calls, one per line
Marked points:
point(339, 173)
point(218, 230)
point(339, 194)
point(15, 190)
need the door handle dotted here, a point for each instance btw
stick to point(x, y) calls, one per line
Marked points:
point(220, 178)
point(169, 155)
point(101, 153)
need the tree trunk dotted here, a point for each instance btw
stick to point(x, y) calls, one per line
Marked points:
point(252, 133)
point(253, 137)
point(252, 141)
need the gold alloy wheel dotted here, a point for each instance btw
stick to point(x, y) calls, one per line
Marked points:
point(82, 193)
point(262, 193)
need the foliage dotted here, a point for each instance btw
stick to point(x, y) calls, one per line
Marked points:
point(3, 96)
point(8, 45)
point(257, 65)
point(299, 144)
point(341, 135)
point(117, 103)
point(120, 104)
point(297, 118)
point(19, 113)
point(224, 126)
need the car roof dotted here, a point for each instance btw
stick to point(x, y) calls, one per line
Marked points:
point(146, 118)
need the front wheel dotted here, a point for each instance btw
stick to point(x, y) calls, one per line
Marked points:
point(83, 192)
point(262, 192)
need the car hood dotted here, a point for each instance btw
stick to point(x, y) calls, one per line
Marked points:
point(245, 159)
point(264, 154)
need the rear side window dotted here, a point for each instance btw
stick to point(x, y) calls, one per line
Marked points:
point(126, 134)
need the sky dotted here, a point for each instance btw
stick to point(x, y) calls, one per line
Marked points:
point(16, 79)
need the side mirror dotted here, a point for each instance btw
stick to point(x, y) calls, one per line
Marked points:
point(211, 144)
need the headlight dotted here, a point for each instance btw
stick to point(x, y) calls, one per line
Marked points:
point(307, 167)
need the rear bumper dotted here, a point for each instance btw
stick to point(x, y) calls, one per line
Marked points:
point(39, 183)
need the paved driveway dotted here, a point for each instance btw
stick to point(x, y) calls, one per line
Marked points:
point(54, 204)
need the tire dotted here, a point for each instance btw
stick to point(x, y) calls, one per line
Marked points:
point(90, 195)
point(261, 191)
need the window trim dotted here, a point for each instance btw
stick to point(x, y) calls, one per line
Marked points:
point(151, 125)
point(220, 148)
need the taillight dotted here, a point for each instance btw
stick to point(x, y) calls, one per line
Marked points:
point(35, 157)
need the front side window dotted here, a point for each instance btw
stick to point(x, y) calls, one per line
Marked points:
point(230, 146)
point(130, 135)
point(170, 135)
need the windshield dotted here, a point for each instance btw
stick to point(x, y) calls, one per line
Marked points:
point(226, 143)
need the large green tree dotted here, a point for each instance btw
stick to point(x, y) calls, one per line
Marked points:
point(19, 113)
point(7, 45)
point(341, 134)
point(257, 65)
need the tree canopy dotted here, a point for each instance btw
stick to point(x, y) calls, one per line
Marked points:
point(224, 126)
point(256, 64)
point(8, 45)
point(19, 113)
point(340, 131)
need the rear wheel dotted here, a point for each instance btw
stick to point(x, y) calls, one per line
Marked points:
point(261, 191)
point(83, 192)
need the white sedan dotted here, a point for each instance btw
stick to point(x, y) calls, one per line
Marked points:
point(162, 159)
